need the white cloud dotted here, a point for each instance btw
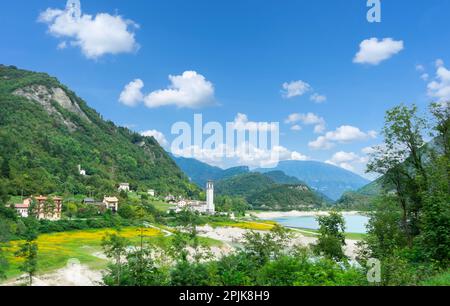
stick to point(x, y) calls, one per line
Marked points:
point(425, 76)
point(241, 123)
point(244, 154)
point(295, 89)
point(308, 119)
point(160, 138)
point(296, 128)
point(62, 45)
point(420, 68)
point(298, 156)
point(94, 35)
point(317, 98)
point(189, 90)
point(132, 93)
point(439, 63)
point(439, 88)
point(347, 160)
point(373, 51)
point(343, 134)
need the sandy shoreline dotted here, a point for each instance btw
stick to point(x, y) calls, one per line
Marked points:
point(282, 214)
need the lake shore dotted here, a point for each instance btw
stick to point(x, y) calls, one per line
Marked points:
point(267, 215)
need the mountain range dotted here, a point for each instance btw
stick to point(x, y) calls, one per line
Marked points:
point(327, 179)
point(330, 180)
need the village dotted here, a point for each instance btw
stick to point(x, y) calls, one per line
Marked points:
point(51, 207)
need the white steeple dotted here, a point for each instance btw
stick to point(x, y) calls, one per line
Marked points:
point(210, 207)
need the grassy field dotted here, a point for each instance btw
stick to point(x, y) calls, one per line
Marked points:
point(161, 206)
point(442, 279)
point(249, 225)
point(313, 233)
point(56, 249)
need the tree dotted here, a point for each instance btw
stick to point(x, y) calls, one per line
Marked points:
point(412, 240)
point(28, 253)
point(3, 263)
point(331, 236)
point(400, 161)
point(114, 247)
point(264, 247)
point(71, 209)
point(5, 169)
point(434, 240)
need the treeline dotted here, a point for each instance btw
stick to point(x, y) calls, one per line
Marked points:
point(409, 230)
point(263, 260)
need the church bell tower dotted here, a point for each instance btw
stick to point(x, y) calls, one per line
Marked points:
point(211, 209)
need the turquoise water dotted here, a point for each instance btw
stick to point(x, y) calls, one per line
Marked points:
point(353, 223)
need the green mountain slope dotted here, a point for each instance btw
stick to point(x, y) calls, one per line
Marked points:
point(280, 177)
point(244, 185)
point(264, 192)
point(46, 131)
point(287, 197)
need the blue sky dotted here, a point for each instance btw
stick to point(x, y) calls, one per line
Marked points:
point(244, 51)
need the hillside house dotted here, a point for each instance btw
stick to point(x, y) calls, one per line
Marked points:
point(124, 187)
point(111, 203)
point(82, 172)
point(23, 208)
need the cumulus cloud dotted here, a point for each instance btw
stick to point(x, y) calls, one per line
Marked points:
point(343, 134)
point(373, 51)
point(317, 98)
point(95, 35)
point(160, 138)
point(439, 88)
point(308, 119)
point(189, 90)
point(347, 160)
point(295, 89)
point(132, 93)
point(296, 128)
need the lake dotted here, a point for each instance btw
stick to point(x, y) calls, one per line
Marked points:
point(353, 223)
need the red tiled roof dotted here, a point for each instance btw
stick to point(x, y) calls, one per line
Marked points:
point(21, 205)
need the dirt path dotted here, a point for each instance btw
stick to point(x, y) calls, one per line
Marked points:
point(74, 274)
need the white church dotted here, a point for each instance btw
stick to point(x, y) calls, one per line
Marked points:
point(207, 207)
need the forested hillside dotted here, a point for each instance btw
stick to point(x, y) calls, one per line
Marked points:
point(46, 131)
point(268, 192)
